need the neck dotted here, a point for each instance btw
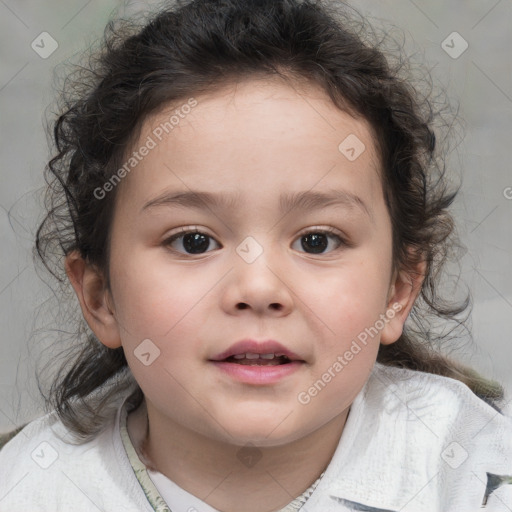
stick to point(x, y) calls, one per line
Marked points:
point(226, 476)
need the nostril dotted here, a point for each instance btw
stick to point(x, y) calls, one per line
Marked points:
point(274, 305)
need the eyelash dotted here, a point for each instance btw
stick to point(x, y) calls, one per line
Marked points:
point(331, 232)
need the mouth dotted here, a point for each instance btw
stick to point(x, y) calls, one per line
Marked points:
point(258, 362)
point(253, 359)
point(260, 353)
point(258, 369)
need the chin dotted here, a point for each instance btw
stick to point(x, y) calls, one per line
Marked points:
point(260, 440)
point(263, 432)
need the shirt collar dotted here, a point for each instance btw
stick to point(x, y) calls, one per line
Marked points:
point(417, 442)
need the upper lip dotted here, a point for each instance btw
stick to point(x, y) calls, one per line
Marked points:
point(256, 347)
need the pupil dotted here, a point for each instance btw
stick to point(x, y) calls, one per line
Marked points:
point(317, 241)
point(195, 242)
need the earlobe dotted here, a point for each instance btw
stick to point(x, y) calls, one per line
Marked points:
point(404, 290)
point(89, 285)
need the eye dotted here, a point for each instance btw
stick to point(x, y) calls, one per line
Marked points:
point(194, 241)
point(318, 240)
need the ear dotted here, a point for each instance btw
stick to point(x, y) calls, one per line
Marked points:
point(94, 297)
point(405, 288)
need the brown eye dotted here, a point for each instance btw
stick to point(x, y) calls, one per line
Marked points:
point(192, 241)
point(316, 241)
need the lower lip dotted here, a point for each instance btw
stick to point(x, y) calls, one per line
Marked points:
point(258, 374)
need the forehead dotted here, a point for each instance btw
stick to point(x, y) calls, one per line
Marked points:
point(252, 133)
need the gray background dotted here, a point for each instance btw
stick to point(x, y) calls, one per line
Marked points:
point(478, 81)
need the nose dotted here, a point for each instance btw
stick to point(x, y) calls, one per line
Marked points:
point(261, 285)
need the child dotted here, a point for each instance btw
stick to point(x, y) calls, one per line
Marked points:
point(250, 203)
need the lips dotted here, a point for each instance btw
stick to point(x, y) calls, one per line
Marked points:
point(249, 352)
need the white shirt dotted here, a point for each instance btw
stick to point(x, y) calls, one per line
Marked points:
point(413, 442)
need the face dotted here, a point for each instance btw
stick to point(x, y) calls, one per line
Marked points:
point(315, 275)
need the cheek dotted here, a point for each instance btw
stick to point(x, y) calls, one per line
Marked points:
point(349, 300)
point(163, 305)
point(154, 300)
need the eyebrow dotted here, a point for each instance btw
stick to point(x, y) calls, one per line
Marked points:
point(288, 202)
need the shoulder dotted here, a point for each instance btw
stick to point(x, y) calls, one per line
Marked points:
point(32, 457)
point(448, 423)
point(44, 467)
point(446, 412)
point(5, 438)
point(436, 394)
point(414, 430)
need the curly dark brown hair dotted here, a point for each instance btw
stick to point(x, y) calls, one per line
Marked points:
point(194, 47)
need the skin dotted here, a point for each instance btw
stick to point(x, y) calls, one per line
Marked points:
point(258, 138)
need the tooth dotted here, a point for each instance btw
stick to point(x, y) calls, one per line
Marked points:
point(239, 356)
point(267, 356)
point(251, 355)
